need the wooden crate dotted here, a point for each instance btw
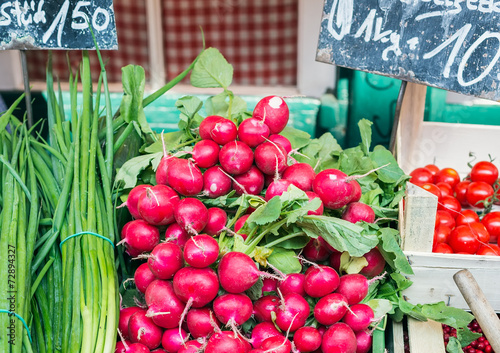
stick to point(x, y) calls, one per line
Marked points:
point(446, 145)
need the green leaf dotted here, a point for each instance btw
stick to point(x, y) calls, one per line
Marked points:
point(189, 106)
point(391, 251)
point(411, 310)
point(365, 130)
point(267, 213)
point(447, 315)
point(454, 346)
point(131, 108)
point(130, 170)
point(294, 215)
point(321, 150)
point(380, 307)
point(353, 161)
point(351, 264)
point(255, 291)
point(212, 70)
point(298, 138)
point(466, 336)
point(295, 243)
point(172, 140)
point(342, 235)
point(402, 282)
point(391, 173)
point(285, 260)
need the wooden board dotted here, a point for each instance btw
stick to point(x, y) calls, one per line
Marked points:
point(448, 44)
point(57, 24)
point(433, 278)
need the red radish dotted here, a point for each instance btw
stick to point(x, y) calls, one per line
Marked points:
point(268, 179)
point(253, 132)
point(359, 317)
point(320, 280)
point(301, 175)
point(316, 250)
point(277, 344)
point(224, 131)
point(217, 219)
point(207, 125)
point(201, 251)
point(177, 235)
point(264, 306)
point(206, 153)
point(163, 305)
point(334, 261)
point(191, 214)
point(320, 209)
point(201, 322)
point(270, 158)
point(257, 351)
point(236, 157)
point(139, 236)
point(269, 285)
point(133, 198)
point(364, 341)
point(143, 277)
point(159, 350)
point(237, 272)
point(129, 347)
point(322, 329)
point(185, 177)
point(353, 287)
point(277, 188)
point(165, 260)
point(250, 182)
point(281, 140)
point(240, 222)
point(191, 347)
point(196, 286)
point(307, 339)
point(125, 315)
point(292, 313)
point(358, 212)
point(216, 182)
point(356, 196)
point(161, 170)
point(273, 111)
point(226, 341)
point(330, 309)
point(156, 205)
point(233, 309)
point(334, 188)
point(339, 338)
point(172, 341)
point(142, 329)
point(376, 263)
point(293, 283)
point(263, 331)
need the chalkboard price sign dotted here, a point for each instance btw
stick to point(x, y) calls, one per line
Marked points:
point(451, 44)
point(57, 24)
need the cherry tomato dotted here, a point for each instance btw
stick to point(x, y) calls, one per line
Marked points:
point(489, 249)
point(443, 248)
point(450, 204)
point(446, 189)
point(444, 218)
point(492, 223)
point(441, 234)
point(460, 191)
point(447, 175)
point(433, 189)
point(478, 192)
point(466, 217)
point(432, 168)
point(480, 232)
point(421, 176)
point(484, 171)
point(462, 239)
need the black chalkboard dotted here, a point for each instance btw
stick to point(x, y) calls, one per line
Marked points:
point(57, 24)
point(450, 44)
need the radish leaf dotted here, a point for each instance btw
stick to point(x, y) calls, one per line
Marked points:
point(212, 70)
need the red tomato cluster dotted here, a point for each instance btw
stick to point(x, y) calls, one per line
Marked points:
point(458, 227)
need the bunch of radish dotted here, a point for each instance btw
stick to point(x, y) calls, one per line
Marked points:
point(195, 296)
point(191, 307)
point(465, 222)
